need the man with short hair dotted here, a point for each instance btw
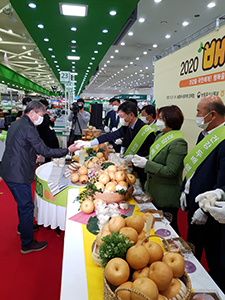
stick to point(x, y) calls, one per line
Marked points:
point(205, 170)
point(148, 116)
point(23, 144)
point(112, 118)
point(25, 101)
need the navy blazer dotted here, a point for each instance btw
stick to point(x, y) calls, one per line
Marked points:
point(124, 132)
point(114, 119)
point(208, 176)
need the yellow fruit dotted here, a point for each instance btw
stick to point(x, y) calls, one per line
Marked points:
point(83, 170)
point(110, 186)
point(104, 178)
point(137, 257)
point(135, 221)
point(99, 155)
point(75, 158)
point(116, 223)
point(90, 127)
point(74, 177)
point(83, 179)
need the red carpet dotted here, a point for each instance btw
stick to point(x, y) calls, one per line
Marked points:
point(33, 276)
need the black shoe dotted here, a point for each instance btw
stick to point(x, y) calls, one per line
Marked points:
point(36, 227)
point(34, 246)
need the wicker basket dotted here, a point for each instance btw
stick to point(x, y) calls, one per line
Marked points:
point(110, 291)
point(115, 197)
point(95, 254)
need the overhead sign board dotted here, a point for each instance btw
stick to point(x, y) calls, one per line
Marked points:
point(134, 96)
point(65, 77)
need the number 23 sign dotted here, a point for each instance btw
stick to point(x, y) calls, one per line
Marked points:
point(65, 77)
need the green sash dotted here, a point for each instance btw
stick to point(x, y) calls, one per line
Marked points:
point(138, 140)
point(163, 141)
point(200, 152)
point(154, 127)
point(109, 121)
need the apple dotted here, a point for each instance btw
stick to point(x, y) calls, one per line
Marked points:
point(87, 206)
point(137, 257)
point(155, 251)
point(117, 271)
point(161, 274)
point(125, 295)
point(116, 223)
point(176, 287)
point(141, 273)
point(131, 233)
point(145, 286)
point(135, 221)
point(176, 262)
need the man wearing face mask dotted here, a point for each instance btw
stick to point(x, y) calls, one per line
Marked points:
point(148, 116)
point(108, 117)
point(25, 101)
point(205, 171)
point(18, 165)
point(112, 118)
point(82, 118)
point(137, 137)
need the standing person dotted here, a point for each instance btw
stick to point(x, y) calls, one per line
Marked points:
point(165, 164)
point(46, 133)
point(108, 117)
point(148, 116)
point(23, 143)
point(25, 101)
point(205, 171)
point(79, 118)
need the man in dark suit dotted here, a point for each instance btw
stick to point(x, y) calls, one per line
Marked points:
point(203, 230)
point(112, 119)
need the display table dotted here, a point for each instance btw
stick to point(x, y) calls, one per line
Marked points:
point(82, 278)
point(49, 210)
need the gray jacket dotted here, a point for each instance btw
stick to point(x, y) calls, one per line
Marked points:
point(83, 119)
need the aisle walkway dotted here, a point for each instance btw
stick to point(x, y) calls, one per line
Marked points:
point(33, 276)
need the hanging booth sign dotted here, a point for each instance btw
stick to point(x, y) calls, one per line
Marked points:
point(65, 77)
point(129, 96)
point(3, 88)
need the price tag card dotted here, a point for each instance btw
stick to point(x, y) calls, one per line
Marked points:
point(65, 77)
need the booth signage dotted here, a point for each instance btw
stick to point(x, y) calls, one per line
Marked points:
point(134, 96)
point(65, 77)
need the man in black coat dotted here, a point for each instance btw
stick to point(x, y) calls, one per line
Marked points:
point(23, 144)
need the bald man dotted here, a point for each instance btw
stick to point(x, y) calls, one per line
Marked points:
point(205, 171)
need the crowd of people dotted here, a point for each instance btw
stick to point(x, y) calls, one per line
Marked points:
point(155, 145)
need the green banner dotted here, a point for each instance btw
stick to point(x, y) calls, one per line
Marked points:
point(154, 127)
point(43, 191)
point(138, 140)
point(164, 140)
point(128, 96)
point(200, 152)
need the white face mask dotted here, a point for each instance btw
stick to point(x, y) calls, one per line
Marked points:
point(39, 120)
point(24, 107)
point(115, 107)
point(123, 122)
point(144, 119)
point(200, 122)
point(160, 125)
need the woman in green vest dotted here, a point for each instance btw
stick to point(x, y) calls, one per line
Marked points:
point(164, 165)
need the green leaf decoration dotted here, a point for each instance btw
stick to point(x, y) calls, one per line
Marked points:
point(200, 48)
point(92, 225)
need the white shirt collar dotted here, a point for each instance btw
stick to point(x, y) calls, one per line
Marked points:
point(204, 132)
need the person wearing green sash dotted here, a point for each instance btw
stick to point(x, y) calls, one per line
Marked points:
point(205, 171)
point(148, 116)
point(165, 164)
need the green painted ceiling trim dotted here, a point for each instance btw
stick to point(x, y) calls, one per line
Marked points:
point(9, 76)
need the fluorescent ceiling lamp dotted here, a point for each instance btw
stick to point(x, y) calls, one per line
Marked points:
point(32, 5)
point(70, 57)
point(185, 23)
point(211, 5)
point(73, 9)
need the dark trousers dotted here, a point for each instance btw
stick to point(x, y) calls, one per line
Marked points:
point(25, 208)
point(207, 236)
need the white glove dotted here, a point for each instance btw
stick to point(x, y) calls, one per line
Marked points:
point(199, 217)
point(139, 161)
point(183, 201)
point(209, 198)
point(128, 158)
point(106, 129)
point(218, 213)
point(114, 129)
point(118, 141)
point(82, 144)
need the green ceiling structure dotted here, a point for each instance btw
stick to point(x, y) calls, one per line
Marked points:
point(57, 28)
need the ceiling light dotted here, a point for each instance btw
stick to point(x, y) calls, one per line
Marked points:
point(32, 5)
point(105, 65)
point(73, 41)
point(122, 44)
point(157, 1)
point(130, 33)
point(211, 5)
point(46, 39)
point(167, 36)
point(29, 53)
point(105, 30)
point(73, 10)
point(112, 56)
point(10, 31)
point(117, 51)
point(90, 63)
point(154, 45)
point(24, 47)
point(50, 49)
point(53, 56)
point(70, 57)
point(185, 23)
point(39, 65)
point(121, 69)
point(89, 67)
point(112, 12)
point(20, 57)
point(137, 58)
point(73, 62)
point(0, 39)
point(126, 66)
point(141, 20)
point(93, 58)
point(99, 43)
point(73, 28)
point(40, 26)
point(95, 51)
point(131, 63)
point(55, 61)
point(73, 50)
point(108, 61)
point(146, 68)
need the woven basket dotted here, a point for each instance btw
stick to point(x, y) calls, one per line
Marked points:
point(110, 291)
point(95, 254)
point(115, 197)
